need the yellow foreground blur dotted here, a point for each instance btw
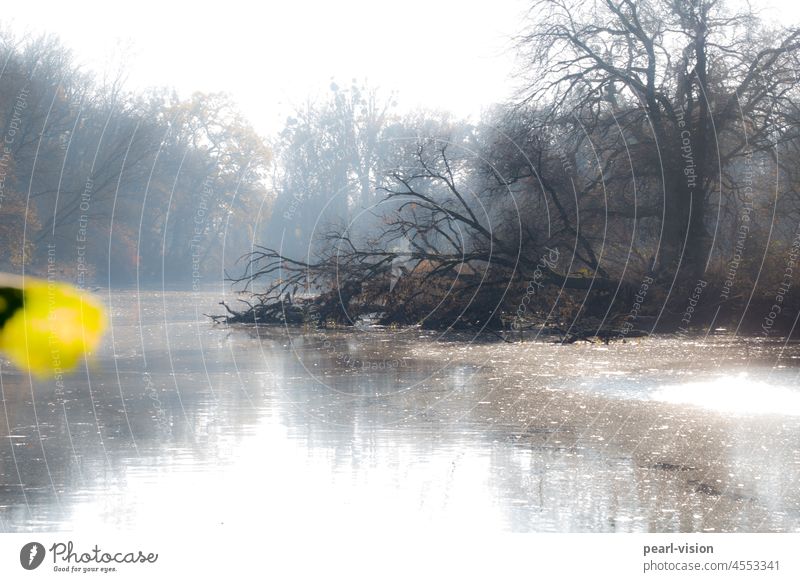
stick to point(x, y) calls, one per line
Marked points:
point(55, 327)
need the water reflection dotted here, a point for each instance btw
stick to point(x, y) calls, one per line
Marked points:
point(184, 426)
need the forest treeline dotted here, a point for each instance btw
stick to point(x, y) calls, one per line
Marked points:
point(100, 185)
point(643, 178)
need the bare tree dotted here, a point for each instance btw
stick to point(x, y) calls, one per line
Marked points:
point(688, 88)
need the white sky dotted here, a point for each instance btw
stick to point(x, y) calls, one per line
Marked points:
point(270, 55)
point(445, 54)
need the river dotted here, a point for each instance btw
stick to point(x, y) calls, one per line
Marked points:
point(181, 425)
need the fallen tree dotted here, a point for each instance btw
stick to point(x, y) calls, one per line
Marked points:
point(433, 263)
point(592, 209)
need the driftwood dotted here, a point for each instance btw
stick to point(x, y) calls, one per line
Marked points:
point(347, 306)
point(604, 335)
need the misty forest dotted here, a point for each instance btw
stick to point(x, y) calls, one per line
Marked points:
point(649, 157)
point(588, 293)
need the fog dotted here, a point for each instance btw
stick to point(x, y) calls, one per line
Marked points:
point(537, 257)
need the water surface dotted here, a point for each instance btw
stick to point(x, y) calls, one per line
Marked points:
point(181, 425)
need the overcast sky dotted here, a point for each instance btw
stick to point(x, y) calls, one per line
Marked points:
point(447, 54)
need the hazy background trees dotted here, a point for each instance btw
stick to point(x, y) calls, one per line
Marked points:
point(655, 138)
point(684, 100)
point(108, 186)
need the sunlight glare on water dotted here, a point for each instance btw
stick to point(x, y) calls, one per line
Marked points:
point(191, 427)
point(738, 395)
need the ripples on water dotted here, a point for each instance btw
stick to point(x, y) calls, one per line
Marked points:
point(181, 425)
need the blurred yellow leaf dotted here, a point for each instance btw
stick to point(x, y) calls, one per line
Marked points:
point(45, 326)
